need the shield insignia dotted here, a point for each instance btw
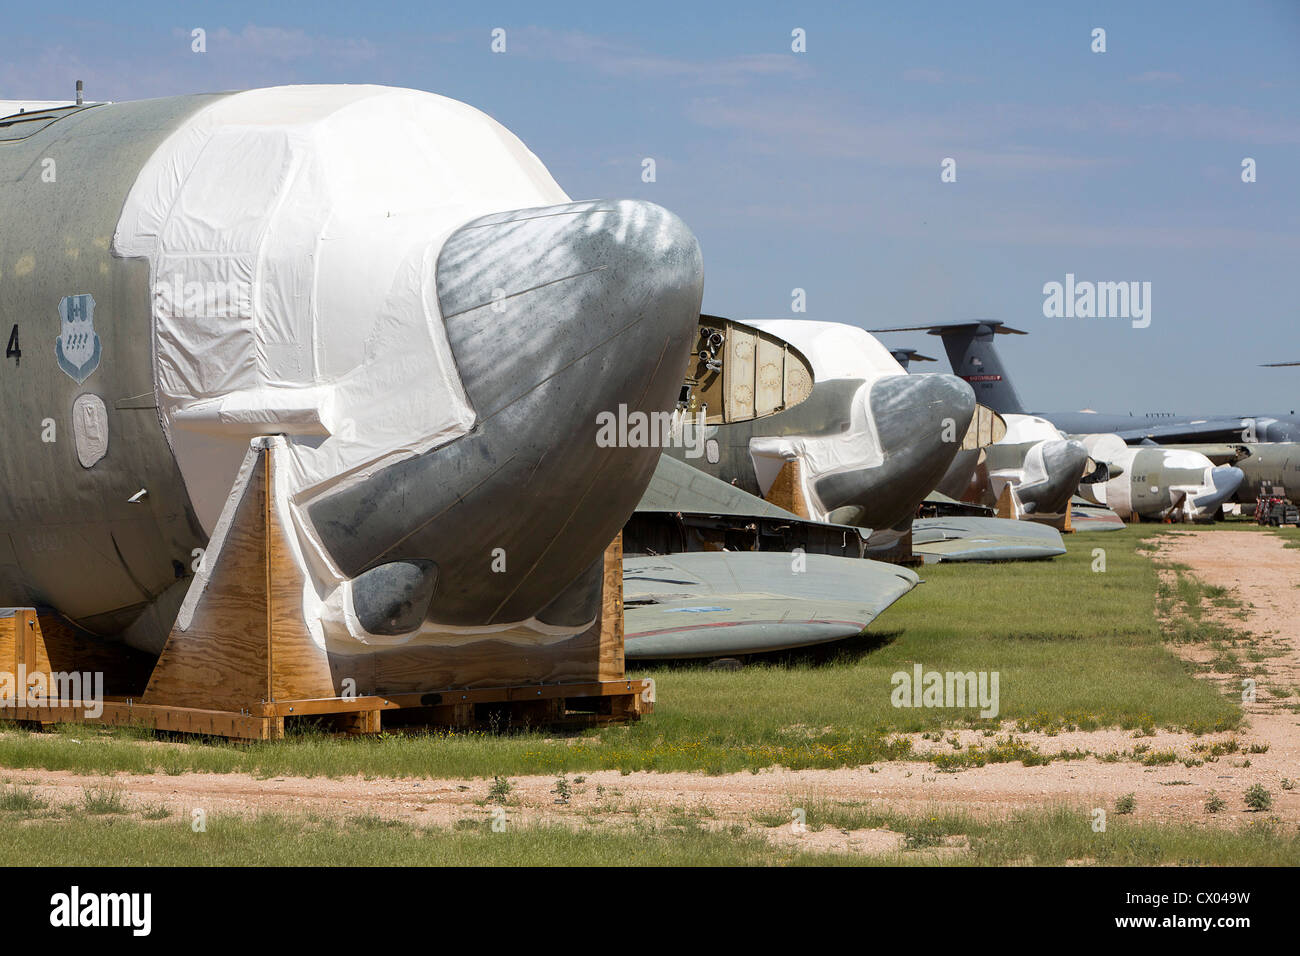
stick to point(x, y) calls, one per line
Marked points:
point(77, 347)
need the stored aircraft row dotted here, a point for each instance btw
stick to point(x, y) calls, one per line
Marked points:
point(389, 284)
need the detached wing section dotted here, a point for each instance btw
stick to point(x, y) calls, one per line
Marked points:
point(1087, 516)
point(713, 604)
point(961, 538)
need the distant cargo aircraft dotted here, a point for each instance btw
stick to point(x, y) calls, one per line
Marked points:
point(1156, 482)
point(974, 356)
point(1149, 481)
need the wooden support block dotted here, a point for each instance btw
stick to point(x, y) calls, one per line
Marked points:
point(1006, 503)
point(612, 665)
point(245, 641)
point(786, 490)
point(538, 713)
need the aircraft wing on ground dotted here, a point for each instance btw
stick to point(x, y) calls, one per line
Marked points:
point(1087, 516)
point(686, 510)
point(722, 603)
point(963, 538)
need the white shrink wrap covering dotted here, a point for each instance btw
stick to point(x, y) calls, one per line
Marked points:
point(293, 235)
point(835, 351)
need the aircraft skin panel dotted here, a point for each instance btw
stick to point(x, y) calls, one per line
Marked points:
point(677, 487)
point(727, 638)
point(74, 540)
point(738, 374)
point(987, 549)
point(723, 603)
point(769, 377)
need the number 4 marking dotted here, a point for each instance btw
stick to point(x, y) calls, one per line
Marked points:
point(12, 350)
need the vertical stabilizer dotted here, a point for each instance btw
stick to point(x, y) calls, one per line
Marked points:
point(975, 358)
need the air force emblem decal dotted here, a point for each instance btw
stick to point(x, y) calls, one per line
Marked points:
point(78, 347)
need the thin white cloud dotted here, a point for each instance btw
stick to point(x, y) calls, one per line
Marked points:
point(277, 43)
point(821, 129)
point(622, 60)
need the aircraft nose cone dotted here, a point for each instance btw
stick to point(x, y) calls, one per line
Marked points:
point(1227, 479)
point(920, 422)
point(555, 316)
point(526, 294)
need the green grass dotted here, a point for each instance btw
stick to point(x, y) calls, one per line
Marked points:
point(1073, 648)
point(1288, 534)
point(1050, 837)
point(292, 841)
point(103, 800)
point(17, 800)
point(1058, 835)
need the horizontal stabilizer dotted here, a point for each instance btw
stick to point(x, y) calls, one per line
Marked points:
point(942, 328)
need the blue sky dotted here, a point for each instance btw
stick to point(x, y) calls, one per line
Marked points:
point(821, 170)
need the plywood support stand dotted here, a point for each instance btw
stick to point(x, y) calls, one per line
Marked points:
point(242, 661)
point(786, 490)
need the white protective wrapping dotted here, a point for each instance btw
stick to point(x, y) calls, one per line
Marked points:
point(1114, 492)
point(293, 234)
point(1028, 428)
point(1023, 430)
point(835, 351)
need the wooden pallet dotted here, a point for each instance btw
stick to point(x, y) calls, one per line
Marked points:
point(497, 708)
point(241, 661)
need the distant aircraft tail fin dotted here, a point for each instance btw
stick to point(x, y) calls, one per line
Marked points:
point(975, 358)
point(905, 357)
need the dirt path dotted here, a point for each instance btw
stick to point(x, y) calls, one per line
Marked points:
point(1264, 575)
point(1258, 570)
